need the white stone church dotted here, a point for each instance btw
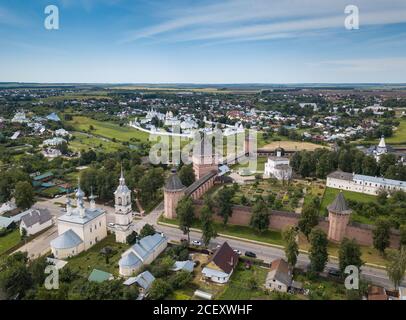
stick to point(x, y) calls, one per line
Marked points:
point(81, 228)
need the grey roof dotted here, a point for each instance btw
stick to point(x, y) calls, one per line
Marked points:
point(141, 250)
point(122, 189)
point(5, 222)
point(195, 185)
point(129, 260)
point(145, 280)
point(183, 265)
point(210, 273)
point(382, 181)
point(75, 217)
point(339, 205)
point(68, 239)
point(36, 216)
point(173, 182)
point(341, 175)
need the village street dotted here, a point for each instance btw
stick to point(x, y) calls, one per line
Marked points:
point(40, 245)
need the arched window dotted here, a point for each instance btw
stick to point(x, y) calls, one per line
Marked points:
point(119, 201)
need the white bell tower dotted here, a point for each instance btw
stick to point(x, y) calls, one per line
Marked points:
point(123, 211)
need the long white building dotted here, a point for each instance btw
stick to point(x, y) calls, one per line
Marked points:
point(363, 184)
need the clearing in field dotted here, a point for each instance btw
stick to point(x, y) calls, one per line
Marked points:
point(293, 146)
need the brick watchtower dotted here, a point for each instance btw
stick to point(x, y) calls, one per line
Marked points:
point(174, 190)
point(338, 216)
point(204, 160)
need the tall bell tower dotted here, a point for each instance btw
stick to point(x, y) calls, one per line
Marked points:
point(122, 211)
point(204, 159)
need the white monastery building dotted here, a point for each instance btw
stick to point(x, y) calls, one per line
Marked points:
point(278, 167)
point(363, 184)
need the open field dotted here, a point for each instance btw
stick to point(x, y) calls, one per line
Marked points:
point(174, 90)
point(293, 146)
point(10, 240)
point(399, 135)
point(108, 129)
point(91, 259)
point(83, 141)
point(398, 138)
point(94, 95)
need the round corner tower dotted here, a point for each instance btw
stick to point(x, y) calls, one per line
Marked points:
point(174, 190)
point(338, 216)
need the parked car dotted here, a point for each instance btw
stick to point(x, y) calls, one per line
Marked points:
point(334, 273)
point(250, 254)
point(237, 252)
point(196, 242)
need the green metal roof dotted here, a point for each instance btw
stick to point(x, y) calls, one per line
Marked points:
point(100, 276)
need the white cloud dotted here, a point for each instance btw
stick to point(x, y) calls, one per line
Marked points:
point(263, 19)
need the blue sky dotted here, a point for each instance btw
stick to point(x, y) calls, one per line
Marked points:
point(222, 41)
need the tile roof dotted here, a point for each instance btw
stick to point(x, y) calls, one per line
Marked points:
point(280, 271)
point(225, 258)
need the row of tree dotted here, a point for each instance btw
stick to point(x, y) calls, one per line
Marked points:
point(321, 162)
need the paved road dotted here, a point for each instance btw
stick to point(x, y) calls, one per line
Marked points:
point(264, 252)
point(40, 245)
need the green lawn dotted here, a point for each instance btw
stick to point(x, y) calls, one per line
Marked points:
point(108, 129)
point(399, 135)
point(331, 193)
point(84, 142)
point(269, 236)
point(322, 289)
point(91, 259)
point(238, 287)
point(10, 240)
